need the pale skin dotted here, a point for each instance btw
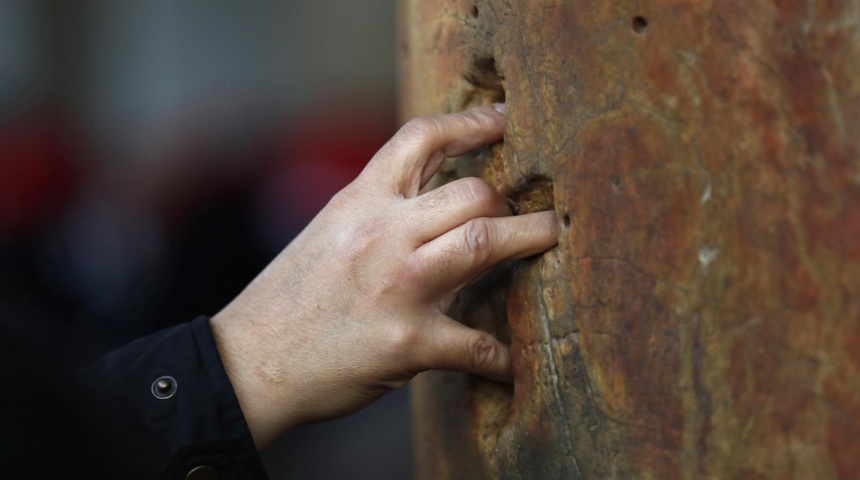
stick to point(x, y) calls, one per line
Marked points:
point(355, 305)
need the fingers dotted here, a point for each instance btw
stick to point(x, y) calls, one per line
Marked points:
point(450, 345)
point(452, 205)
point(461, 255)
point(406, 163)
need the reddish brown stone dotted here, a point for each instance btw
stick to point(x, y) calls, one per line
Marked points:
point(700, 317)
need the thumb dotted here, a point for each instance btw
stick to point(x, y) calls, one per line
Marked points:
point(451, 345)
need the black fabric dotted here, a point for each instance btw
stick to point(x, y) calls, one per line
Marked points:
point(201, 423)
point(47, 428)
point(104, 422)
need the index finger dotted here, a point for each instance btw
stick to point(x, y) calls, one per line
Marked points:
point(407, 162)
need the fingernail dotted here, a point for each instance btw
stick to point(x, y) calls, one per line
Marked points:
point(499, 107)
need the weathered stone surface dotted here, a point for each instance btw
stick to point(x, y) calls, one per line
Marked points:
point(701, 315)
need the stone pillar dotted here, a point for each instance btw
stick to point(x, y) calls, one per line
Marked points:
point(700, 317)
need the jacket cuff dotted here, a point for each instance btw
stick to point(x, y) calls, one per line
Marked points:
point(170, 401)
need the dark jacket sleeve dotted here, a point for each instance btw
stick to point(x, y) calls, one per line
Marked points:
point(171, 405)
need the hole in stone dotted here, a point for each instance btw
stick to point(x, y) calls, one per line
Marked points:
point(566, 220)
point(640, 24)
point(533, 194)
point(487, 81)
point(475, 11)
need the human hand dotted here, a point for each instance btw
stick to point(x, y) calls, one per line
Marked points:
point(355, 305)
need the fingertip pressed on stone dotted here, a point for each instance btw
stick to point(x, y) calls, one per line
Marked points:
point(499, 107)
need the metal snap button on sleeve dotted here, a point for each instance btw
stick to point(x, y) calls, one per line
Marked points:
point(202, 472)
point(164, 387)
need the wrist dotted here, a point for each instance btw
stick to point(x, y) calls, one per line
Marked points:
point(263, 402)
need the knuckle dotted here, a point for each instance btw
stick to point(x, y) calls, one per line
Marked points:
point(401, 339)
point(421, 129)
point(484, 351)
point(360, 241)
point(416, 268)
point(477, 237)
point(389, 284)
point(479, 191)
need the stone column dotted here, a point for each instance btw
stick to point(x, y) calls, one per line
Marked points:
point(700, 317)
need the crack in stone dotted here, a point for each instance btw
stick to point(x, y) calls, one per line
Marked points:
point(554, 371)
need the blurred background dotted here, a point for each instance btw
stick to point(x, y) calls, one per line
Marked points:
point(155, 155)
